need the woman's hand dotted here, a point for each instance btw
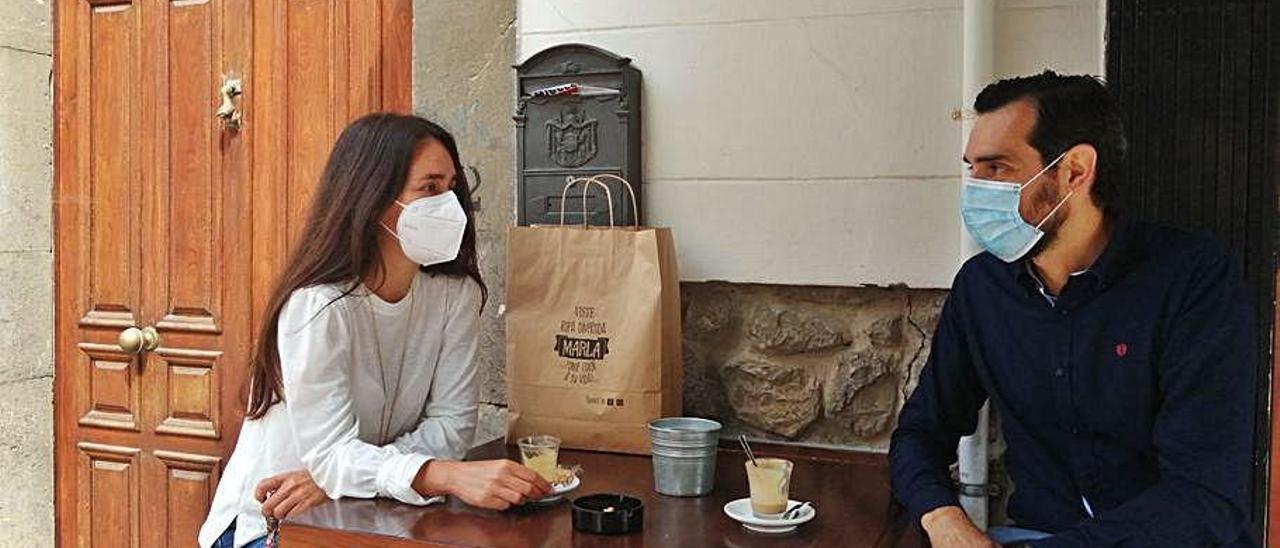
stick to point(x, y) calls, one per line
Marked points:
point(494, 484)
point(288, 494)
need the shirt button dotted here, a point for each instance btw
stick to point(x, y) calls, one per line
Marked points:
point(1059, 372)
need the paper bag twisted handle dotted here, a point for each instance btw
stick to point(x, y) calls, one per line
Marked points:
point(588, 181)
point(630, 190)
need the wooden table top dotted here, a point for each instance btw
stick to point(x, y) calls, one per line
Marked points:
point(849, 490)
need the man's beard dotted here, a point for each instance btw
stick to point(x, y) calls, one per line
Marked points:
point(1048, 201)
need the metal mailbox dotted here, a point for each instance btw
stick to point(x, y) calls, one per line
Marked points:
point(577, 114)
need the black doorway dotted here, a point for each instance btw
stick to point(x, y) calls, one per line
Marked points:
point(1199, 86)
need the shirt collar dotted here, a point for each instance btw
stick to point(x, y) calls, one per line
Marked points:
point(1044, 292)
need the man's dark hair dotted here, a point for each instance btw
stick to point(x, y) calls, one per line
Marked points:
point(1070, 110)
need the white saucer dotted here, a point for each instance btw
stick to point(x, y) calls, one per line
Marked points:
point(558, 492)
point(740, 510)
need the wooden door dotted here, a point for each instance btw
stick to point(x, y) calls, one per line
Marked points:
point(158, 225)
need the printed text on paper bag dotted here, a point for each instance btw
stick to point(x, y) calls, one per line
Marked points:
point(582, 344)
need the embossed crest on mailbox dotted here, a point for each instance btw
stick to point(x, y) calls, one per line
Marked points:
point(577, 114)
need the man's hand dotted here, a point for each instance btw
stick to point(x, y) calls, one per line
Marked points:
point(949, 527)
point(288, 494)
point(492, 484)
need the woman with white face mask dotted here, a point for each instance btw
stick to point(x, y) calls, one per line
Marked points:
point(363, 382)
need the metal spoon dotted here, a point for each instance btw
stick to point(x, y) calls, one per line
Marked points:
point(795, 512)
point(742, 438)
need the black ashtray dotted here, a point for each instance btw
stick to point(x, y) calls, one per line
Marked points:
point(608, 514)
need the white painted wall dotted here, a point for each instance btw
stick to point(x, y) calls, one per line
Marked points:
point(809, 142)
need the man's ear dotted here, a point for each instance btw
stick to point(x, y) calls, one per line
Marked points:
point(1079, 168)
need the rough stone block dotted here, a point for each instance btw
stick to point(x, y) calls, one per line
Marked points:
point(781, 331)
point(704, 394)
point(463, 51)
point(26, 150)
point(26, 456)
point(779, 398)
point(885, 331)
point(24, 25)
point(492, 424)
point(856, 370)
point(708, 313)
point(925, 308)
point(874, 408)
point(26, 315)
point(491, 356)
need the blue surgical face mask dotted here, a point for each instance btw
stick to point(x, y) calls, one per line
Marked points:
point(990, 212)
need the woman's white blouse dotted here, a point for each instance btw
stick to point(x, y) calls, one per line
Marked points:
point(334, 397)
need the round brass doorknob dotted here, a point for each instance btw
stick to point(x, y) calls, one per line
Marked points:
point(134, 340)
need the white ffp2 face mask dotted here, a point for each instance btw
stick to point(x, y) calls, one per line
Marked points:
point(430, 229)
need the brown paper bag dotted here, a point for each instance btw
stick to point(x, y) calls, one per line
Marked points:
point(593, 333)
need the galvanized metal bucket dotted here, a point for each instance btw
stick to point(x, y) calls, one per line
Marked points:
point(684, 455)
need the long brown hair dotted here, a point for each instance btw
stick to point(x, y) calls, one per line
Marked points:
point(365, 174)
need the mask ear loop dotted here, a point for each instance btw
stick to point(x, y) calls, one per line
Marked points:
point(1041, 172)
point(1060, 203)
point(387, 228)
point(1055, 209)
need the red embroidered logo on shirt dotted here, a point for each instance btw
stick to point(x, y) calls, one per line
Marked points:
point(1122, 349)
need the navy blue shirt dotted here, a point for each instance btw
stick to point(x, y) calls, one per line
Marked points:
point(1132, 389)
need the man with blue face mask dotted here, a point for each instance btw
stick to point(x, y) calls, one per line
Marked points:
point(1118, 354)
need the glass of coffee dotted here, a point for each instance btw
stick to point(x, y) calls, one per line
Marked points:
point(770, 483)
point(541, 454)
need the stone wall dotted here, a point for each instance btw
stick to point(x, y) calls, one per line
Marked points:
point(26, 259)
point(462, 78)
point(829, 366)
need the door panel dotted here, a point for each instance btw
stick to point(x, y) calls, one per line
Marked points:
point(190, 381)
point(191, 192)
point(188, 482)
point(311, 114)
point(113, 176)
point(112, 388)
point(109, 482)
